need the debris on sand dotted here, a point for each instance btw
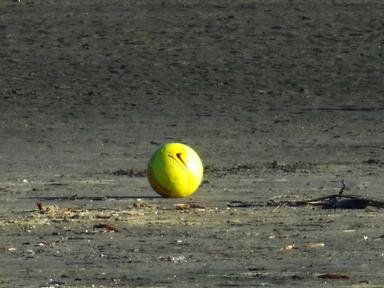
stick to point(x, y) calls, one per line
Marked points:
point(185, 206)
point(106, 227)
point(314, 245)
point(139, 212)
point(290, 247)
point(129, 173)
point(335, 276)
point(57, 212)
point(333, 201)
point(244, 204)
point(173, 259)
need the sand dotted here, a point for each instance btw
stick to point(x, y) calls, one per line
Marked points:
point(281, 99)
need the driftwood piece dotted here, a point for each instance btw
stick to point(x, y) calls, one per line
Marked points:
point(333, 201)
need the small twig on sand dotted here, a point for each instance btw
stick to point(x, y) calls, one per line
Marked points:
point(40, 208)
point(342, 187)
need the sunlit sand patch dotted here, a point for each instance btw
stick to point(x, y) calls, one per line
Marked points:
point(139, 213)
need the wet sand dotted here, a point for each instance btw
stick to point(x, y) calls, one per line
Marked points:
point(281, 99)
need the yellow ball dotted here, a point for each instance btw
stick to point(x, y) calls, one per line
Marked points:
point(175, 170)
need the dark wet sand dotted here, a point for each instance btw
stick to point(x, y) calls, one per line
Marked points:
point(91, 87)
